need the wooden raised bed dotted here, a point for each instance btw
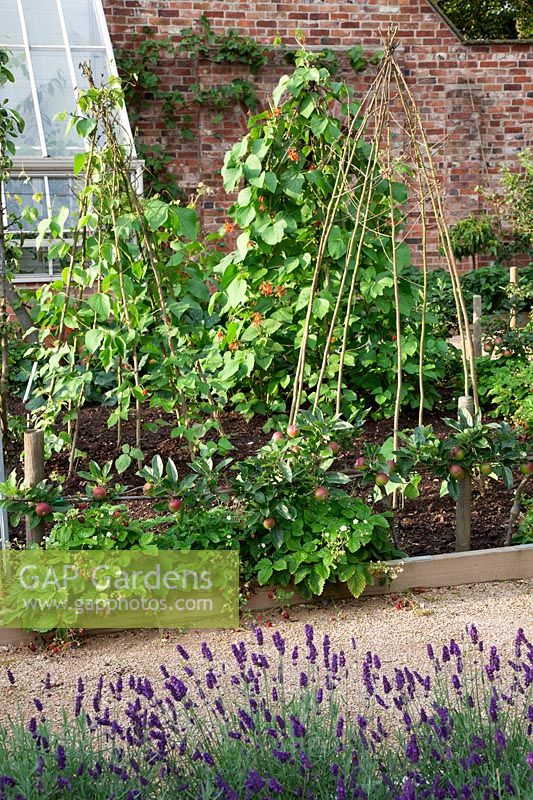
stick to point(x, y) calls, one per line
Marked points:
point(453, 569)
point(450, 569)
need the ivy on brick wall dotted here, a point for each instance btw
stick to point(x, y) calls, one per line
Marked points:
point(140, 69)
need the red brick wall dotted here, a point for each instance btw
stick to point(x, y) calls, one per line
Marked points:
point(476, 99)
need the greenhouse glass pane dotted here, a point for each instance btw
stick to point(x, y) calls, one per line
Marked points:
point(82, 23)
point(63, 193)
point(55, 94)
point(99, 64)
point(34, 262)
point(20, 98)
point(10, 29)
point(42, 22)
point(21, 194)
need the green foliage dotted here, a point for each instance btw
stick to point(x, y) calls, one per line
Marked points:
point(471, 444)
point(102, 526)
point(286, 168)
point(505, 387)
point(484, 19)
point(473, 237)
point(524, 535)
point(315, 530)
point(141, 67)
point(518, 197)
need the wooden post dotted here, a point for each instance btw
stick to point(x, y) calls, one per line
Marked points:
point(513, 278)
point(463, 509)
point(33, 474)
point(476, 327)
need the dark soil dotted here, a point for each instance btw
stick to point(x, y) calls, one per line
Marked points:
point(426, 525)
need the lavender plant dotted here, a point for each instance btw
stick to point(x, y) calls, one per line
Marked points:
point(289, 723)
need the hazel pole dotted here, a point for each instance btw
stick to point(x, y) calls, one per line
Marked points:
point(347, 156)
point(436, 202)
point(370, 164)
point(351, 292)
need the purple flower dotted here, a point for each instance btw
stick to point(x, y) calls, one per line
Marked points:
point(254, 782)
point(281, 755)
point(206, 652)
point(499, 738)
point(10, 677)
point(412, 751)
point(61, 757)
point(275, 786)
point(340, 727)
point(279, 643)
point(297, 728)
point(303, 680)
point(529, 760)
point(295, 654)
point(176, 687)
point(183, 653)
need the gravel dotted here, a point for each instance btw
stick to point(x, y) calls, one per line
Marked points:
point(397, 627)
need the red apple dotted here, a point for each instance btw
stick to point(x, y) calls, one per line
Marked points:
point(392, 465)
point(277, 436)
point(360, 463)
point(507, 353)
point(99, 492)
point(334, 447)
point(174, 505)
point(526, 468)
point(147, 489)
point(485, 468)
point(457, 453)
point(321, 493)
point(457, 472)
point(269, 523)
point(381, 479)
point(43, 509)
point(292, 431)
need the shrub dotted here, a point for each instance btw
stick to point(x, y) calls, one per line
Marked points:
point(280, 723)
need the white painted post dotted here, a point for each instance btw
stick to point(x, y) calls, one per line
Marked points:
point(476, 327)
point(463, 509)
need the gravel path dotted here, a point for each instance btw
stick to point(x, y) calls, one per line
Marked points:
point(397, 628)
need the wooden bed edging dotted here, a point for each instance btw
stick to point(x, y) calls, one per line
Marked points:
point(450, 569)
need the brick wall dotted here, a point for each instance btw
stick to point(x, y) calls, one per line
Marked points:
point(476, 99)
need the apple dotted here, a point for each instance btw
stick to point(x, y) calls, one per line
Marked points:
point(174, 505)
point(526, 468)
point(292, 431)
point(43, 509)
point(507, 353)
point(381, 479)
point(99, 492)
point(457, 453)
point(269, 523)
point(392, 465)
point(321, 493)
point(277, 436)
point(485, 468)
point(488, 347)
point(457, 472)
point(360, 463)
point(147, 489)
point(334, 447)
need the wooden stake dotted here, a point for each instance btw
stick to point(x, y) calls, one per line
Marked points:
point(513, 278)
point(463, 509)
point(33, 474)
point(476, 327)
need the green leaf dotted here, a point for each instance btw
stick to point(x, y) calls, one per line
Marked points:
point(357, 582)
point(252, 166)
point(155, 213)
point(273, 234)
point(85, 126)
point(101, 305)
point(236, 292)
point(316, 583)
point(93, 339)
point(336, 243)
point(264, 575)
point(188, 222)
point(122, 463)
